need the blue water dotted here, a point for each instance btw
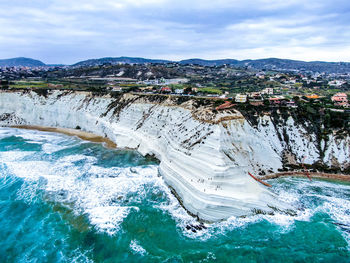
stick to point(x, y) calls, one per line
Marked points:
point(67, 200)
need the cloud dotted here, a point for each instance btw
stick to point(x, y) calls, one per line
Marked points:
point(65, 31)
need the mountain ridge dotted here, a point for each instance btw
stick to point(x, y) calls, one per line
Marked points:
point(259, 64)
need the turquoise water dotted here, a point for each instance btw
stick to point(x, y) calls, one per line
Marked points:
point(67, 200)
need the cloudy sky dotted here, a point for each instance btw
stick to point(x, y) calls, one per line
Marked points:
point(67, 31)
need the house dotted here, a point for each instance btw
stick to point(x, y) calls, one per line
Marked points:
point(260, 75)
point(254, 94)
point(291, 81)
point(256, 102)
point(165, 90)
point(275, 101)
point(179, 91)
point(336, 83)
point(313, 96)
point(268, 91)
point(148, 89)
point(291, 104)
point(116, 89)
point(340, 99)
point(241, 98)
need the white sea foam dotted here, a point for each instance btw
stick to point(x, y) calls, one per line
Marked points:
point(51, 142)
point(50, 148)
point(29, 169)
point(93, 195)
point(79, 257)
point(99, 192)
point(95, 191)
point(107, 218)
point(137, 248)
point(6, 132)
point(12, 156)
point(38, 136)
point(339, 211)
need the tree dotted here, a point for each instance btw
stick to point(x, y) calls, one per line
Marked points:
point(188, 90)
point(4, 84)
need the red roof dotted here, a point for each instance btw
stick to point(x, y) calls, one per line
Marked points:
point(226, 105)
point(340, 97)
point(166, 89)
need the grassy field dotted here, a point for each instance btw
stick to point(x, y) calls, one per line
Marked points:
point(210, 90)
point(29, 84)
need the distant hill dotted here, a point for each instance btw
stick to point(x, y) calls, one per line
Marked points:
point(132, 60)
point(24, 62)
point(203, 62)
point(276, 64)
point(110, 60)
point(260, 64)
point(287, 64)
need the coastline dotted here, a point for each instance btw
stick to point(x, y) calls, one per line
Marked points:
point(338, 177)
point(87, 136)
point(205, 163)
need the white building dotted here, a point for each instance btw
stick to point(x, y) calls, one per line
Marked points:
point(179, 91)
point(241, 98)
point(117, 89)
point(336, 83)
point(268, 91)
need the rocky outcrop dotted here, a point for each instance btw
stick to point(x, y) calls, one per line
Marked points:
point(205, 156)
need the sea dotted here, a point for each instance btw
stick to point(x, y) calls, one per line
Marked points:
point(63, 199)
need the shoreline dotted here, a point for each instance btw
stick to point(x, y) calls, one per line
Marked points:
point(87, 136)
point(320, 175)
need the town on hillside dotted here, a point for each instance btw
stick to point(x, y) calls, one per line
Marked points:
point(227, 83)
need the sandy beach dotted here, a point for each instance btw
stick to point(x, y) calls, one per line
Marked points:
point(72, 132)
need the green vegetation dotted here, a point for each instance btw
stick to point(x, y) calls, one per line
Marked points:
point(28, 84)
point(210, 90)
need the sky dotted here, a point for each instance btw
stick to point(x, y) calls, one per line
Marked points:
point(68, 31)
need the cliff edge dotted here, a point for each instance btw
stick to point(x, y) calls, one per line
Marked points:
point(205, 156)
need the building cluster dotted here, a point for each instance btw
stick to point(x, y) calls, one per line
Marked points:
point(257, 98)
point(17, 73)
point(242, 85)
point(340, 99)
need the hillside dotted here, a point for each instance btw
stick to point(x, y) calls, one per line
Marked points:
point(260, 64)
point(24, 62)
point(277, 64)
point(204, 62)
point(110, 60)
point(287, 64)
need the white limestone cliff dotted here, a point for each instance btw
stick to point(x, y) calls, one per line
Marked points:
point(204, 157)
